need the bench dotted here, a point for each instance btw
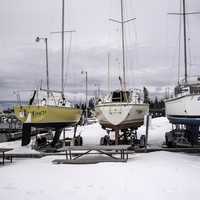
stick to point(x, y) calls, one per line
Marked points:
point(73, 153)
point(4, 156)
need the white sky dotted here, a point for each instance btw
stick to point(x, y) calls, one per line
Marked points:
point(151, 43)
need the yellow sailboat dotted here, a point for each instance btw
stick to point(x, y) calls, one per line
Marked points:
point(52, 112)
point(49, 111)
point(47, 114)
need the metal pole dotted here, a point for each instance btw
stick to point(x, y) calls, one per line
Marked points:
point(86, 96)
point(123, 45)
point(47, 67)
point(147, 132)
point(64, 137)
point(108, 72)
point(62, 63)
point(185, 40)
point(99, 91)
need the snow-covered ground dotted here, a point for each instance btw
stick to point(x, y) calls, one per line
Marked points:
point(17, 148)
point(151, 176)
point(158, 127)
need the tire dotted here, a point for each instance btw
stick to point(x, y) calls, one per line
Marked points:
point(102, 141)
point(142, 141)
point(169, 144)
point(81, 141)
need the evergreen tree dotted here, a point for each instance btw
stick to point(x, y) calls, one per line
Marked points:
point(91, 103)
point(146, 95)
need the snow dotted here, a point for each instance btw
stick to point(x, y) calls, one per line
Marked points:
point(150, 176)
point(17, 148)
point(91, 133)
point(157, 129)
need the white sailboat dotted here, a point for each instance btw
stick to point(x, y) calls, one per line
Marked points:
point(122, 109)
point(184, 106)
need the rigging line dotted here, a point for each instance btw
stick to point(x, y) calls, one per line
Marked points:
point(110, 6)
point(108, 44)
point(126, 42)
point(179, 43)
point(67, 23)
point(63, 48)
point(134, 62)
point(167, 38)
point(68, 58)
point(68, 20)
point(129, 49)
point(119, 50)
point(174, 50)
point(189, 46)
point(132, 7)
point(108, 39)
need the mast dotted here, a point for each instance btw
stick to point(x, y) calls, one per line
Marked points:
point(62, 40)
point(123, 45)
point(62, 32)
point(47, 67)
point(185, 40)
point(123, 22)
point(185, 35)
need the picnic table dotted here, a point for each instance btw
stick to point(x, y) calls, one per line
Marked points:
point(3, 152)
point(73, 153)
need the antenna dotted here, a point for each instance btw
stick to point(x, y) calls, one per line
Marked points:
point(123, 22)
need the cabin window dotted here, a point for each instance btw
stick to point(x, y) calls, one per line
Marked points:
point(195, 90)
point(180, 90)
point(120, 96)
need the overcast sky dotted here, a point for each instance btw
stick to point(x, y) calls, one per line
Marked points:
point(151, 44)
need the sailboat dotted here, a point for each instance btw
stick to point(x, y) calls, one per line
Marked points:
point(122, 109)
point(52, 111)
point(183, 107)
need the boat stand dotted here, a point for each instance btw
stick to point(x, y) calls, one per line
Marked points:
point(123, 137)
point(185, 135)
point(26, 134)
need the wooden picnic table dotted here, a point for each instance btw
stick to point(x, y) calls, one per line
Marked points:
point(3, 152)
point(75, 152)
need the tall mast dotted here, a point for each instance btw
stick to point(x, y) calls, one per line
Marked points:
point(185, 40)
point(185, 35)
point(47, 67)
point(62, 32)
point(123, 22)
point(123, 45)
point(62, 61)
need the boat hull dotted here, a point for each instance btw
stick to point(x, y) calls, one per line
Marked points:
point(47, 115)
point(184, 110)
point(121, 115)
